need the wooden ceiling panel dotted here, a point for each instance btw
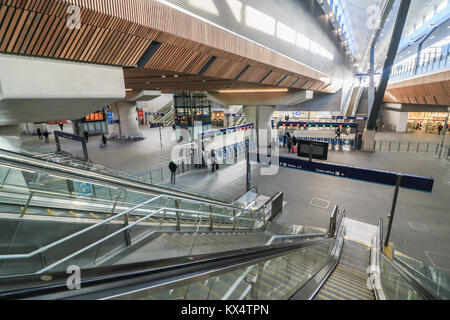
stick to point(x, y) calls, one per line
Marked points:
point(253, 74)
point(224, 68)
point(288, 81)
point(117, 32)
point(273, 78)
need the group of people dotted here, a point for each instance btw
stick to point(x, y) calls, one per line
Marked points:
point(43, 135)
point(290, 141)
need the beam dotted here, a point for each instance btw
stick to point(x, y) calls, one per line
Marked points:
point(391, 55)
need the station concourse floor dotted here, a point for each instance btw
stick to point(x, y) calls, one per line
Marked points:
point(421, 226)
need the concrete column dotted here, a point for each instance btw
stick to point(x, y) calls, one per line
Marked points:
point(11, 130)
point(368, 140)
point(127, 117)
point(261, 116)
point(402, 122)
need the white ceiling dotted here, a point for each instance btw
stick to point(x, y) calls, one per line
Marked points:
point(358, 12)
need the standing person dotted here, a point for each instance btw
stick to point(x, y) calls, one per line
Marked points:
point(46, 136)
point(174, 127)
point(104, 141)
point(338, 132)
point(61, 125)
point(86, 136)
point(173, 169)
point(213, 161)
point(294, 140)
point(39, 132)
point(440, 127)
point(289, 144)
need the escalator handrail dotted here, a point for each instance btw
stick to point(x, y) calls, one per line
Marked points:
point(310, 288)
point(80, 232)
point(140, 276)
point(90, 175)
point(424, 281)
point(418, 285)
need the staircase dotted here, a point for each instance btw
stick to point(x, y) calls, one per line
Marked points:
point(168, 118)
point(350, 278)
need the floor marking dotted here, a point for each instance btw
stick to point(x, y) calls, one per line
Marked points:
point(96, 217)
point(418, 226)
point(51, 212)
point(320, 203)
point(73, 213)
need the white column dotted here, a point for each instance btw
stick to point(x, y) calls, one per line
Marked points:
point(11, 130)
point(261, 116)
point(402, 122)
point(128, 118)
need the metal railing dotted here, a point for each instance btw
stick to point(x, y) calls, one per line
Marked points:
point(410, 146)
point(332, 230)
point(199, 214)
point(430, 60)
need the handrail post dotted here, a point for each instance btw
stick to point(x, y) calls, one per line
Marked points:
point(394, 204)
point(211, 227)
point(251, 222)
point(177, 205)
point(234, 219)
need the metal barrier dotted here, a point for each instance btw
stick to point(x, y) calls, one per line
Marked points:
point(411, 146)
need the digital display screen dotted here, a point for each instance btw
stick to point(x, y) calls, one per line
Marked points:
point(313, 149)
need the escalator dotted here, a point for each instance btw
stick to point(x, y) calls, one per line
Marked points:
point(349, 280)
point(326, 266)
point(131, 245)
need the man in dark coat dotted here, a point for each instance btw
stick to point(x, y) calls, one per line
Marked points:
point(173, 169)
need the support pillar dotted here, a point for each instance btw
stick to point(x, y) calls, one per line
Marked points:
point(11, 130)
point(261, 116)
point(128, 124)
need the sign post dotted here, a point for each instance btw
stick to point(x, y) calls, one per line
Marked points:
point(160, 136)
point(394, 204)
point(247, 157)
point(75, 137)
point(443, 134)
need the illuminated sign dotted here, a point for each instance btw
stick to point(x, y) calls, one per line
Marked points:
point(97, 116)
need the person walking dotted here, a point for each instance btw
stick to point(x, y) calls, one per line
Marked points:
point(440, 127)
point(104, 140)
point(46, 134)
point(173, 169)
point(61, 125)
point(338, 132)
point(213, 161)
point(289, 144)
point(86, 136)
point(39, 132)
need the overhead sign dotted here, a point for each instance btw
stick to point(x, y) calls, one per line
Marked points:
point(96, 116)
point(317, 124)
point(349, 118)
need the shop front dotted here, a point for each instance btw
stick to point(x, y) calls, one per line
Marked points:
point(425, 122)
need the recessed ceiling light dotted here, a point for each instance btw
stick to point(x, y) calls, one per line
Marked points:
point(176, 76)
point(163, 76)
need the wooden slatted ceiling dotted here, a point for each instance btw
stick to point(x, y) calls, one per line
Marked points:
point(117, 34)
point(429, 89)
point(273, 78)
